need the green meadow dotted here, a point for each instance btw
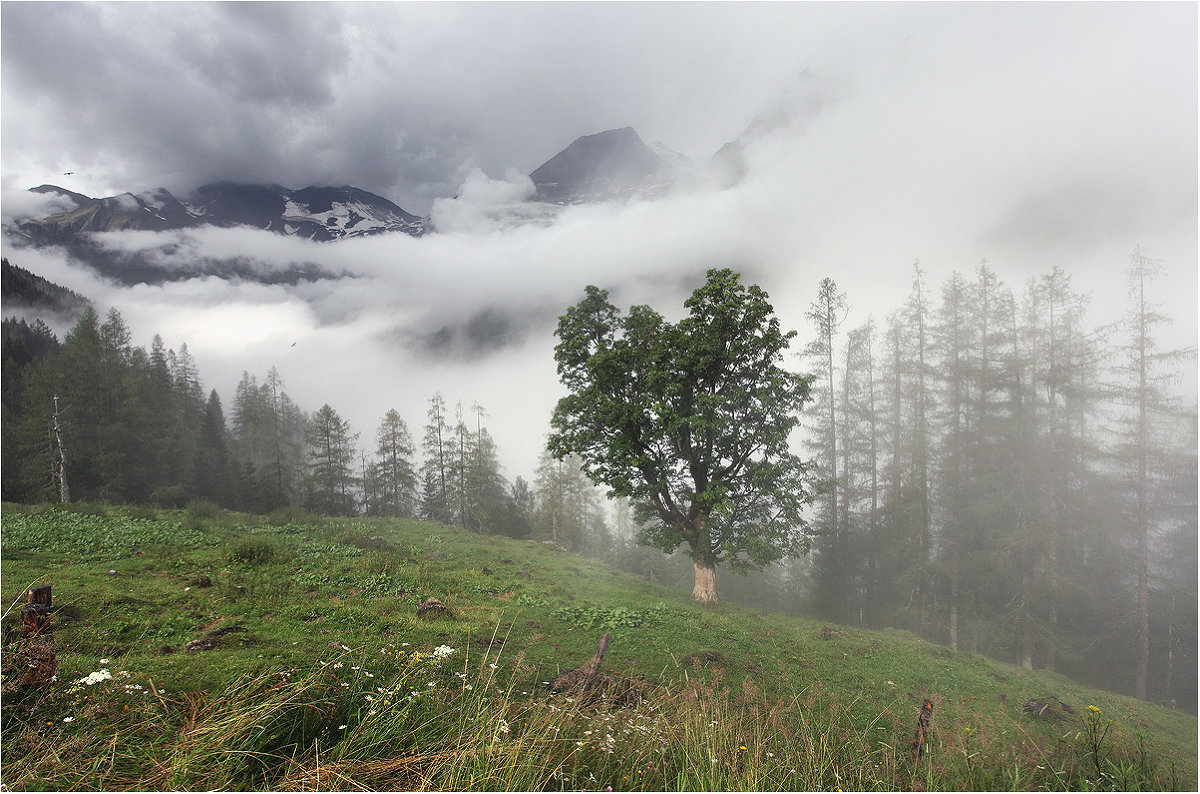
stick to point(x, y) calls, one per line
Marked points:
point(200, 649)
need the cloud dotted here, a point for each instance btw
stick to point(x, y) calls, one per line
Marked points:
point(402, 99)
point(1034, 135)
point(20, 203)
point(484, 205)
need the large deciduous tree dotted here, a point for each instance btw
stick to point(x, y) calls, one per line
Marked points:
point(690, 420)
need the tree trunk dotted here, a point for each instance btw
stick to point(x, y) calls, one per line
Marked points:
point(705, 591)
point(58, 458)
point(1026, 646)
point(954, 608)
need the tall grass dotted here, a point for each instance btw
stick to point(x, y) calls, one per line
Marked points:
point(402, 718)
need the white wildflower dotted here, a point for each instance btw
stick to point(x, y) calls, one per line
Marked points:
point(95, 678)
point(442, 651)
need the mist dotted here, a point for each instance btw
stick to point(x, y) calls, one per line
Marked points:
point(1031, 136)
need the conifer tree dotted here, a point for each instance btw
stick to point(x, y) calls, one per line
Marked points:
point(333, 455)
point(436, 474)
point(827, 313)
point(1144, 453)
point(394, 474)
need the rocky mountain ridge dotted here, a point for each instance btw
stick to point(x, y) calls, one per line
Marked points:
point(315, 213)
point(613, 165)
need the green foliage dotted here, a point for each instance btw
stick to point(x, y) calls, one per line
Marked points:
point(252, 551)
point(690, 420)
point(91, 536)
point(283, 516)
point(592, 616)
point(203, 510)
point(321, 553)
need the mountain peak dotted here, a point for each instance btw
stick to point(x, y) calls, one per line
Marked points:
point(606, 165)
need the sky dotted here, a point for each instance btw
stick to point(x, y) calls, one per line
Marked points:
point(1032, 135)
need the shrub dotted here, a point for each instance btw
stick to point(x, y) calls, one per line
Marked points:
point(144, 512)
point(203, 509)
point(252, 551)
point(169, 496)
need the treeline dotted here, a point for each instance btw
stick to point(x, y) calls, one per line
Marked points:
point(999, 475)
point(94, 418)
point(1005, 479)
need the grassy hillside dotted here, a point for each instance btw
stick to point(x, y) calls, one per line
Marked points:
point(309, 668)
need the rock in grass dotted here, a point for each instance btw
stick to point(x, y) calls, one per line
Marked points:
point(712, 657)
point(432, 608)
point(1055, 712)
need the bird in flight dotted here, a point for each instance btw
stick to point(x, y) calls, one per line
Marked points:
point(67, 173)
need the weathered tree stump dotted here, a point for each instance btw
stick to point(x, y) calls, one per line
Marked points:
point(36, 659)
point(588, 684)
point(918, 744)
point(36, 612)
point(577, 678)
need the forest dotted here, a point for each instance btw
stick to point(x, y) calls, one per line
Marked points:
point(997, 474)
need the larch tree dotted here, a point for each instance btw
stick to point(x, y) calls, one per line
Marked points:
point(954, 336)
point(333, 456)
point(1145, 452)
point(827, 313)
point(861, 456)
point(394, 475)
point(691, 421)
point(435, 470)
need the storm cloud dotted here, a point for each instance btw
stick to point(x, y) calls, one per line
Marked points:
point(1033, 135)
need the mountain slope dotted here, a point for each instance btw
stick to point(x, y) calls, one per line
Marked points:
point(322, 214)
point(317, 213)
point(156, 211)
point(22, 290)
point(323, 614)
